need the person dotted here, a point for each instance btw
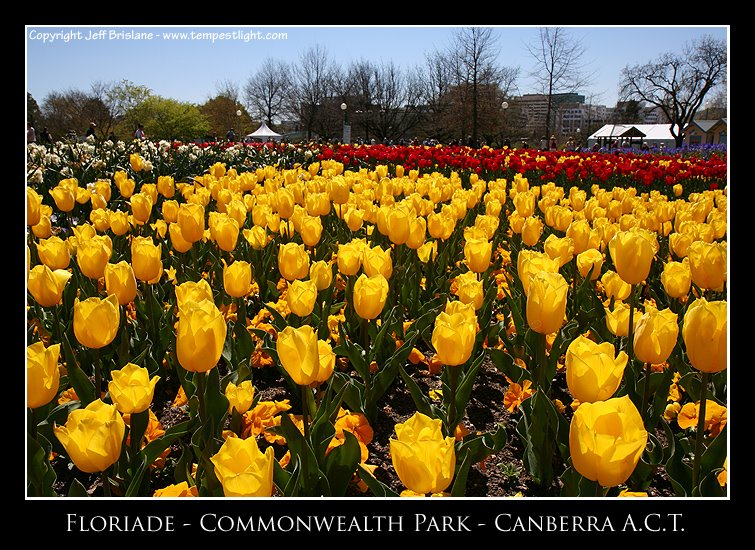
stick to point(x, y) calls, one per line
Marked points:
point(570, 146)
point(31, 134)
point(507, 143)
point(231, 135)
point(90, 131)
point(139, 134)
point(45, 136)
point(525, 145)
point(543, 144)
point(553, 145)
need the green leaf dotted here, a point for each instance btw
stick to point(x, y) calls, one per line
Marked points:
point(709, 486)
point(155, 448)
point(77, 490)
point(679, 473)
point(659, 386)
point(215, 401)
point(464, 391)
point(353, 390)
point(282, 480)
point(539, 437)
point(482, 446)
point(303, 454)
point(378, 488)
point(420, 401)
point(81, 384)
point(354, 352)
point(340, 464)
point(505, 363)
point(139, 422)
point(713, 457)
point(139, 465)
point(40, 474)
point(459, 488)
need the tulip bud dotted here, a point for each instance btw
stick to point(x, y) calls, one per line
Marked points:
point(470, 290)
point(293, 261)
point(590, 259)
point(349, 258)
point(64, 198)
point(322, 274)
point(95, 321)
point(237, 279)
point(200, 335)
point(240, 397)
point(93, 254)
point(243, 470)
point(606, 439)
point(146, 259)
point(311, 230)
point(632, 253)
point(592, 371)
point(559, 249)
point(399, 226)
point(377, 261)
point(453, 338)
point(33, 207)
point(46, 285)
point(424, 460)
point(224, 230)
point(546, 302)
point(131, 388)
point(121, 281)
point(299, 353)
point(655, 336)
point(42, 374)
point(141, 207)
point(614, 286)
point(191, 221)
point(92, 437)
point(704, 332)
point(531, 230)
point(256, 237)
point(677, 278)
point(477, 254)
point(530, 262)
point(707, 263)
point(301, 297)
point(369, 296)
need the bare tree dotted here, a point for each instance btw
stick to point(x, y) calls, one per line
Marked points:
point(473, 62)
point(437, 79)
point(397, 98)
point(311, 85)
point(678, 83)
point(227, 88)
point(559, 66)
point(267, 92)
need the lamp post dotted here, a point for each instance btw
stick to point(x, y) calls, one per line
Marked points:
point(579, 139)
point(346, 138)
point(238, 114)
point(504, 106)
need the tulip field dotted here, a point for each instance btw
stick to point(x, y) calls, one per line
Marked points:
point(278, 320)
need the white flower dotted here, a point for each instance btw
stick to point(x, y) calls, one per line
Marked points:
point(146, 166)
point(37, 176)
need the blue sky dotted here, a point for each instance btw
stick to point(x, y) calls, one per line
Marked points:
point(190, 70)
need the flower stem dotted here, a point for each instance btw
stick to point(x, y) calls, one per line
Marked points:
point(540, 370)
point(200, 394)
point(700, 430)
point(97, 374)
point(453, 382)
point(305, 398)
point(630, 333)
point(646, 393)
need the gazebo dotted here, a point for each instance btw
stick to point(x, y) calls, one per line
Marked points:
point(633, 134)
point(263, 133)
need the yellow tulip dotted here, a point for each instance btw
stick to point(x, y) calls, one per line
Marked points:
point(64, 198)
point(96, 320)
point(293, 261)
point(224, 230)
point(559, 249)
point(369, 296)
point(146, 259)
point(531, 262)
point(617, 321)
point(243, 470)
point(93, 254)
point(141, 207)
point(166, 185)
point(377, 261)
point(655, 336)
point(177, 240)
point(46, 285)
point(131, 388)
point(477, 254)
point(470, 290)
point(256, 237)
point(399, 225)
point(592, 371)
point(705, 332)
point(240, 397)
point(606, 440)
point(327, 360)
point(424, 460)
point(427, 251)
point(614, 286)
point(524, 203)
point(170, 211)
point(590, 259)
point(531, 230)
point(301, 297)
point(92, 436)
point(237, 279)
point(119, 222)
point(33, 207)
point(311, 230)
point(191, 221)
point(677, 278)
point(453, 338)
point(299, 354)
point(707, 263)
point(322, 274)
point(136, 162)
point(125, 186)
point(42, 374)
point(200, 335)
point(632, 253)
point(121, 281)
point(546, 302)
point(349, 258)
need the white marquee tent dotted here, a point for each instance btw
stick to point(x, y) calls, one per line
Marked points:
point(263, 133)
point(635, 134)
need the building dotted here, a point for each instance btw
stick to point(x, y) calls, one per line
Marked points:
point(633, 136)
point(576, 118)
point(534, 109)
point(708, 132)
